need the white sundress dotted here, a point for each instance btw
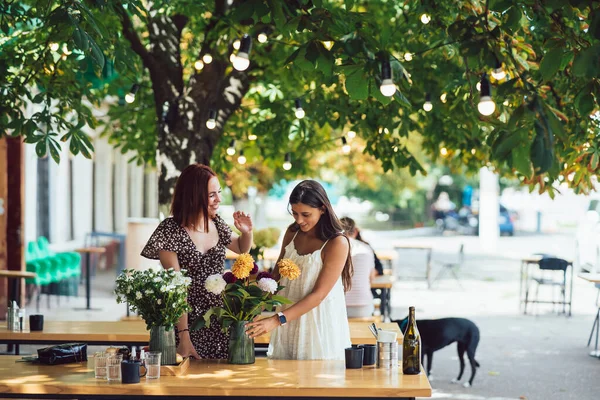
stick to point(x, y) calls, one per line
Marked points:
point(323, 332)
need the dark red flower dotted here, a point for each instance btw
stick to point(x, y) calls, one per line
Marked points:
point(254, 269)
point(263, 274)
point(229, 277)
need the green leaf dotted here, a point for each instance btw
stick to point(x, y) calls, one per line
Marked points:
point(499, 5)
point(594, 28)
point(594, 161)
point(277, 13)
point(81, 39)
point(292, 56)
point(357, 83)
point(312, 53)
point(349, 4)
point(550, 64)
point(555, 124)
point(41, 148)
point(542, 154)
point(506, 144)
point(586, 64)
point(74, 146)
point(281, 299)
point(513, 22)
point(54, 153)
point(96, 53)
point(521, 160)
point(585, 104)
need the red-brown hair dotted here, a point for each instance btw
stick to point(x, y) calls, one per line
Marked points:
point(190, 199)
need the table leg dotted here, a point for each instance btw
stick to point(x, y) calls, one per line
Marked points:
point(384, 304)
point(88, 284)
point(595, 327)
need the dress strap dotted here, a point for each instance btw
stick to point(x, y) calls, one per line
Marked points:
point(324, 244)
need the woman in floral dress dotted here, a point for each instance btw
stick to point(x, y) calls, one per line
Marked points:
point(194, 238)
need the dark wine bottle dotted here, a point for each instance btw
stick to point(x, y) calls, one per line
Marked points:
point(411, 346)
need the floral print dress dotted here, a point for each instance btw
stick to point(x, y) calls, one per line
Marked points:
point(170, 236)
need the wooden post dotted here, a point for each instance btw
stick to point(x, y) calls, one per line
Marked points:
point(15, 223)
point(3, 215)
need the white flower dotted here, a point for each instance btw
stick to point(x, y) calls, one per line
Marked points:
point(215, 284)
point(267, 285)
point(149, 292)
point(138, 295)
point(163, 288)
point(157, 279)
point(128, 289)
point(159, 302)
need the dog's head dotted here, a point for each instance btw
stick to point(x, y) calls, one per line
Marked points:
point(401, 323)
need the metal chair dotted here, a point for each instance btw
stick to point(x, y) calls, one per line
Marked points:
point(548, 268)
point(452, 267)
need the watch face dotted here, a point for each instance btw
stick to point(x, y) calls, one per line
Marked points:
point(282, 319)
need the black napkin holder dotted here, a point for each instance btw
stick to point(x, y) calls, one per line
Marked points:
point(63, 354)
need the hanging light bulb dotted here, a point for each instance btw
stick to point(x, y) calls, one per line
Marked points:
point(425, 18)
point(252, 137)
point(287, 164)
point(486, 105)
point(444, 151)
point(427, 106)
point(207, 58)
point(241, 61)
point(231, 148)
point(198, 65)
point(408, 56)
point(130, 97)
point(351, 134)
point(299, 111)
point(387, 88)
point(345, 146)
point(498, 72)
point(242, 158)
point(478, 86)
point(211, 122)
point(262, 37)
point(54, 46)
point(444, 97)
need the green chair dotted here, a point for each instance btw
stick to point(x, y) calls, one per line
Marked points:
point(41, 267)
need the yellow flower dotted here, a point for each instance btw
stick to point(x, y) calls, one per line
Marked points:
point(288, 269)
point(242, 266)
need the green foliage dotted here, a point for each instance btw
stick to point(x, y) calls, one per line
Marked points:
point(545, 109)
point(159, 297)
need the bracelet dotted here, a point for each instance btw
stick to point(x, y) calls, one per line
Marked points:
point(182, 330)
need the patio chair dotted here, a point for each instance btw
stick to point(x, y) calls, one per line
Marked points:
point(452, 267)
point(552, 272)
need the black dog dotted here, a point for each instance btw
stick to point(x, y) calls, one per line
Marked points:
point(439, 333)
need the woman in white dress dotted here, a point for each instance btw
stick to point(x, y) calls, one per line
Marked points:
point(315, 326)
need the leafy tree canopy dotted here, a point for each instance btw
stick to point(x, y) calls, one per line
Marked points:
point(71, 56)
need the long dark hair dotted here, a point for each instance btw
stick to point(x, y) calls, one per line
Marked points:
point(349, 226)
point(190, 199)
point(312, 194)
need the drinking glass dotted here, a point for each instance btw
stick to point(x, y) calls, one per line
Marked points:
point(100, 364)
point(152, 361)
point(113, 363)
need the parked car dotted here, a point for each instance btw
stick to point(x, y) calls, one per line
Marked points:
point(466, 222)
point(587, 239)
point(506, 221)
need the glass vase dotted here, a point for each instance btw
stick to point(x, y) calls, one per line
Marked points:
point(241, 347)
point(163, 340)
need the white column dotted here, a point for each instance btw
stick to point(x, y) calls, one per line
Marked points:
point(31, 160)
point(489, 207)
point(121, 193)
point(82, 196)
point(151, 193)
point(60, 213)
point(103, 185)
point(136, 191)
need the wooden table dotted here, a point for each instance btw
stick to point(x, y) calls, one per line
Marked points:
point(134, 333)
point(213, 378)
point(15, 278)
point(387, 256)
point(526, 262)
point(384, 283)
point(423, 247)
point(88, 285)
point(594, 278)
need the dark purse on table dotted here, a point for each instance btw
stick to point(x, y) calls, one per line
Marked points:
point(63, 354)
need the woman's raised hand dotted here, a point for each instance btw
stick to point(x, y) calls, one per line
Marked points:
point(242, 221)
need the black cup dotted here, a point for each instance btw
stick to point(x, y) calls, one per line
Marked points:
point(370, 354)
point(36, 322)
point(354, 357)
point(130, 371)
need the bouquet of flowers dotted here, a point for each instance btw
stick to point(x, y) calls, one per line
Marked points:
point(245, 295)
point(159, 297)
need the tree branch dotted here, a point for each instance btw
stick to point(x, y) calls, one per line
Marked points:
point(132, 37)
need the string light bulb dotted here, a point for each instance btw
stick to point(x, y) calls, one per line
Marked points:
point(231, 148)
point(130, 97)
point(408, 56)
point(427, 106)
point(345, 146)
point(242, 158)
point(498, 72)
point(486, 105)
point(198, 65)
point(262, 37)
point(287, 164)
point(351, 134)
point(299, 111)
point(252, 137)
point(211, 122)
point(387, 88)
point(54, 46)
point(425, 18)
point(207, 58)
point(241, 61)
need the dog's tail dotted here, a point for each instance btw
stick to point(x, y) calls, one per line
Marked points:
point(473, 343)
